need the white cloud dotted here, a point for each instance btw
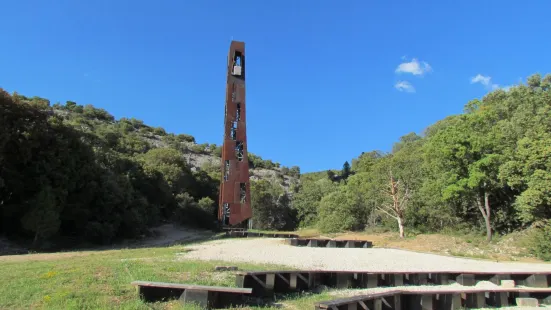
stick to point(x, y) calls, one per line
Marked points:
point(404, 86)
point(414, 67)
point(484, 80)
point(479, 78)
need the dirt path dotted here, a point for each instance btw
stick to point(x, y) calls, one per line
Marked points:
point(171, 234)
point(166, 235)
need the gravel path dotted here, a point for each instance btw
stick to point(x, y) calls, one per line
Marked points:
point(275, 251)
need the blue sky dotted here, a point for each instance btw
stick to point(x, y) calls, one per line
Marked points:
point(325, 82)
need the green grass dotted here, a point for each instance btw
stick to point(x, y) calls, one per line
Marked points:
point(101, 280)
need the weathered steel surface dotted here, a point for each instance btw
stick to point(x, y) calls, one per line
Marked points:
point(266, 283)
point(436, 299)
point(184, 286)
point(234, 200)
point(226, 268)
point(329, 243)
point(246, 234)
point(206, 296)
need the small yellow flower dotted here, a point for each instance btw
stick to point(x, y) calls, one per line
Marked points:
point(48, 275)
point(47, 298)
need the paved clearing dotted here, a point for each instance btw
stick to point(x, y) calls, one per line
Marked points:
point(275, 251)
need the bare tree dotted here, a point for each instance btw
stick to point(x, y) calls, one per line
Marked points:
point(399, 194)
point(483, 204)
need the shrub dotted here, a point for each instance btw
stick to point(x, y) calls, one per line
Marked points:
point(540, 244)
point(185, 138)
point(340, 211)
point(160, 131)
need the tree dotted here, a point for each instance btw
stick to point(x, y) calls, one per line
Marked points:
point(171, 165)
point(295, 171)
point(345, 171)
point(365, 161)
point(307, 201)
point(287, 216)
point(271, 207)
point(100, 114)
point(285, 170)
point(207, 204)
point(467, 158)
point(405, 140)
point(395, 178)
point(529, 172)
point(389, 183)
point(400, 194)
point(340, 210)
point(331, 175)
point(185, 138)
point(186, 204)
point(43, 216)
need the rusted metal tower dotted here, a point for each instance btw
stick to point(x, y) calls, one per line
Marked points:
point(235, 199)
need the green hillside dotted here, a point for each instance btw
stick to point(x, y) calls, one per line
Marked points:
point(74, 173)
point(486, 171)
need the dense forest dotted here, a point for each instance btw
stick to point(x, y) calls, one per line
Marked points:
point(487, 170)
point(74, 171)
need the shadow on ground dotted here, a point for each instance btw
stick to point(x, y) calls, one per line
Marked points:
point(162, 236)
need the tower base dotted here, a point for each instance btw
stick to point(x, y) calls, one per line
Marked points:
point(246, 224)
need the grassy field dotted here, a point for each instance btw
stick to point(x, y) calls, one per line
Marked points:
point(507, 248)
point(101, 279)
